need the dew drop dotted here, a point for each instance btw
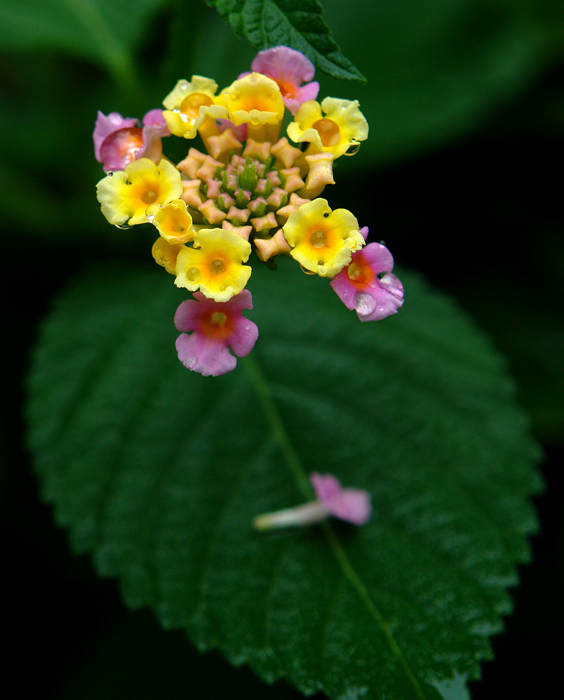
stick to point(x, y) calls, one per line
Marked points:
point(352, 149)
point(149, 196)
point(364, 304)
point(318, 239)
point(193, 274)
point(217, 267)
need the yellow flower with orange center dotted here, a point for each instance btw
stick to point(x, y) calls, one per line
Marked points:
point(126, 194)
point(335, 126)
point(255, 100)
point(173, 221)
point(322, 240)
point(215, 264)
point(192, 106)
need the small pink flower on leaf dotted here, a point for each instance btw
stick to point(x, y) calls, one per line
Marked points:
point(367, 284)
point(118, 140)
point(351, 505)
point(290, 69)
point(214, 327)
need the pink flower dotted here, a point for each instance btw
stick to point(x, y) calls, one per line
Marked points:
point(118, 141)
point(290, 69)
point(351, 505)
point(216, 327)
point(367, 284)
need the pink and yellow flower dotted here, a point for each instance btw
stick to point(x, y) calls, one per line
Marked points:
point(126, 194)
point(215, 264)
point(246, 186)
point(367, 284)
point(335, 126)
point(322, 240)
point(214, 328)
point(290, 69)
point(118, 140)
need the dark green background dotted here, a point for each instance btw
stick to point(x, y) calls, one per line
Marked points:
point(461, 178)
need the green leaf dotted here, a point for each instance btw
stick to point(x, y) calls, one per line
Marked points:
point(158, 472)
point(294, 23)
point(102, 30)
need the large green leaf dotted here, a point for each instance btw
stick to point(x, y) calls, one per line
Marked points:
point(295, 23)
point(159, 472)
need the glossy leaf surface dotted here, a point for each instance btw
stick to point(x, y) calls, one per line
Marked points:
point(158, 472)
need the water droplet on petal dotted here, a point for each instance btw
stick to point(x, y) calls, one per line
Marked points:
point(364, 304)
point(193, 274)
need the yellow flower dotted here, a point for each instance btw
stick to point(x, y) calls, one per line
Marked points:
point(190, 104)
point(126, 194)
point(173, 221)
point(166, 253)
point(215, 264)
point(255, 100)
point(334, 126)
point(322, 240)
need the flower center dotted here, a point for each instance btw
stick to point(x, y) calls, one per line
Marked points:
point(129, 142)
point(329, 132)
point(318, 239)
point(149, 196)
point(217, 267)
point(287, 89)
point(355, 272)
point(218, 318)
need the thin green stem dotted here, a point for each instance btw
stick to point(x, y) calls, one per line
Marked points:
point(260, 385)
point(280, 433)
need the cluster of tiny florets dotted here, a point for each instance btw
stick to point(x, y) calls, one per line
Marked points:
point(247, 188)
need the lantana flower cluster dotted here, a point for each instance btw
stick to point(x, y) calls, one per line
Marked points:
point(248, 190)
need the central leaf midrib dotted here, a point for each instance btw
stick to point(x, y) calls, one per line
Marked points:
point(280, 433)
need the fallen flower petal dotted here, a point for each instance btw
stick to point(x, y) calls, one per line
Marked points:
point(351, 505)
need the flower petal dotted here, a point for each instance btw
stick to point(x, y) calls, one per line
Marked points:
point(351, 505)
